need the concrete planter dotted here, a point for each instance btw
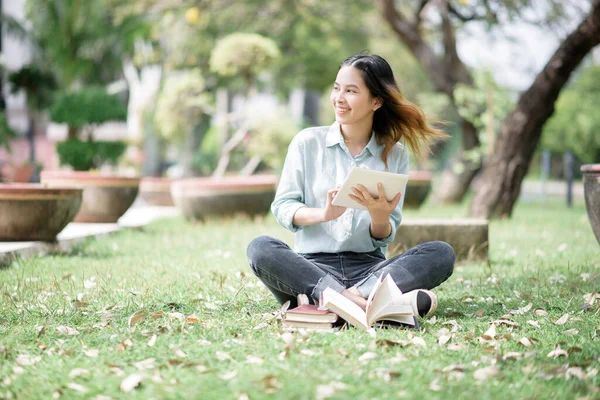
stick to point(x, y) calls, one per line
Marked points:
point(198, 198)
point(417, 188)
point(30, 212)
point(156, 191)
point(105, 197)
point(591, 190)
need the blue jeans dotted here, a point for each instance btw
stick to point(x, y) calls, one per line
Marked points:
point(287, 273)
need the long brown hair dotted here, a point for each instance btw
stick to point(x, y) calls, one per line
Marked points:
point(397, 119)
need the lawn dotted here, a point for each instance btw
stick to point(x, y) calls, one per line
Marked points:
point(173, 311)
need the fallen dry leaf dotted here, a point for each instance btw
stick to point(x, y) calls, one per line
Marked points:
point(522, 310)
point(455, 346)
point(512, 355)
point(152, 340)
point(77, 387)
point(558, 352)
point(223, 356)
point(505, 321)
point(40, 329)
point(145, 364)
point(25, 360)
point(369, 355)
point(590, 298)
point(92, 353)
point(250, 359)
point(67, 330)
point(176, 315)
point(562, 320)
point(262, 325)
point(271, 384)
point(89, 284)
point(136, 317)
point(486, 373)
point(490, 334)
point(576, 372)
point(329, 390)
point(541, 312)
point(131, 382)
point(572, 331)
point(435, 385)
point(418, 341)
point(192, 319)
point(75, 372)
point(533, 323)
point(454, 367)
point(525, 342)
point(442, 340)
point(229, 375)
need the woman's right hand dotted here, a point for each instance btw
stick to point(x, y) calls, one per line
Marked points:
point(332, 212)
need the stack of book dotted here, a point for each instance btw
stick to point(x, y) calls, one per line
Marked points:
point(309, 317)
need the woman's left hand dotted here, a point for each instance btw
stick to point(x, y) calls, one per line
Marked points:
point(380, 209)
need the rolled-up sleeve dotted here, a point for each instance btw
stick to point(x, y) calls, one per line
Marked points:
point(290, 191)
point(396, 215)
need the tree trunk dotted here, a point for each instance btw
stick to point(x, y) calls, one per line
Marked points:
point(520, 133)
point(456, 180)
point(445, 73)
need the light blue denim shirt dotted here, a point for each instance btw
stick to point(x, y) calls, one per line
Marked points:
point(317, 161)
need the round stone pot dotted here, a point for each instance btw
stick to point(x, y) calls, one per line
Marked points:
point(31, 212)
point(105, 197)
point(156, 191)
point(198, 198)
point(591, 191)
point(417, 188)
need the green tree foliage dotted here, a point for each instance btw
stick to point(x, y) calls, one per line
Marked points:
point(6, 132)
point(87, 107)
point(575, 125)
point(181, 105)
point(39, 86)
point(270, 136)
point(244, 54)
point(313, 36)
point(81, 40)
point(85, 155)
point(82, 110)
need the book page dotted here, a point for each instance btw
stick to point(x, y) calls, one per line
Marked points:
point(345, 308)
point(382, 298)
point(396, 312)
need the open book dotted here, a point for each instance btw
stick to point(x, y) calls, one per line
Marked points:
point(383, 305)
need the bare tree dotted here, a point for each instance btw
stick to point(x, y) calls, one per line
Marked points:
point(445, 71)
point(520, 132)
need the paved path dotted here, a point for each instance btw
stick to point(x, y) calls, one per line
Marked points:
point(135, 217)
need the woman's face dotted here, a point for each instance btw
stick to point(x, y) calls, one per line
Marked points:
point(351, 99)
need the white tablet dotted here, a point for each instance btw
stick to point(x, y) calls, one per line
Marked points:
point(392, 185)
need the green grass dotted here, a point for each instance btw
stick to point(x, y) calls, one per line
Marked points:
point(545, 255)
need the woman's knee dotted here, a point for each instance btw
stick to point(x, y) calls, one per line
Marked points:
point(264, 252)
point(258, 247)
point(446, 256)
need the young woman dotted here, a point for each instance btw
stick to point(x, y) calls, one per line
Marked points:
point(340, 248)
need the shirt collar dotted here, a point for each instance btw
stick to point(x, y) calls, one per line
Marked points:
point(334, 136)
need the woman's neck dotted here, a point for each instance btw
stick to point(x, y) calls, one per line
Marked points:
point(357, 134)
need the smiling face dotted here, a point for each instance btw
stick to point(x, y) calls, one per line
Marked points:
point(351, 99)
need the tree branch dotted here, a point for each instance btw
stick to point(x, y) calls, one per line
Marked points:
point(463, 17)
point(419, 11)
point(456, 67)
point(410, 35)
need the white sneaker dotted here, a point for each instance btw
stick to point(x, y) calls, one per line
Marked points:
point(423, 302)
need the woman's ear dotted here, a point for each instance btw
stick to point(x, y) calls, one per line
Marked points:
point(377, 103)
